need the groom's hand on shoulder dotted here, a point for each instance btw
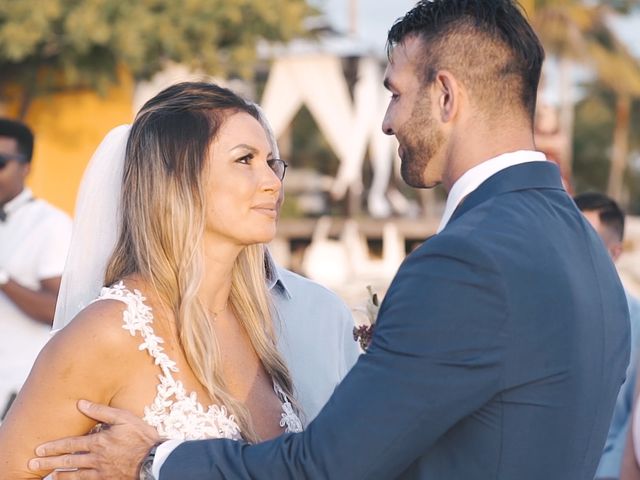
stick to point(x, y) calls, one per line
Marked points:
point(114, 451)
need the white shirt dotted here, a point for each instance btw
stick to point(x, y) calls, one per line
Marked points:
point(475, 176)
point(315, 337)
point(34, 240)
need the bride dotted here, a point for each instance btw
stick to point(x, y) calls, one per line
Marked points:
point(183, 334)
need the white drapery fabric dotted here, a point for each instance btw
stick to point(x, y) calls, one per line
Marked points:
point(317, 82)
point(350, 126)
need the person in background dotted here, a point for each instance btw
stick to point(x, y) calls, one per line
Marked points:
point(607, 218)
point(34, 238)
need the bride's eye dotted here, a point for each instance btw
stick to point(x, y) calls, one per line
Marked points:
point(246, 159)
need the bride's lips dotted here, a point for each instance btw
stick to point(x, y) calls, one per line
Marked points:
point(268, 209)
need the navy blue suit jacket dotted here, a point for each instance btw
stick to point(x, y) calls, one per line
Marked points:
point(498, 354)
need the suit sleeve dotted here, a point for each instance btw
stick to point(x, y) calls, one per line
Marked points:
point(436, 356)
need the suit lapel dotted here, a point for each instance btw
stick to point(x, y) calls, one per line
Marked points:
point(524, 176)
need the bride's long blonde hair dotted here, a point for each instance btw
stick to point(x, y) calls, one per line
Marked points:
point(162, 225)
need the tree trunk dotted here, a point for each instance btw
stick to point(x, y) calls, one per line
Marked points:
point(28, 80)
point(26, 97)
point(567, 113)
point(620, 147)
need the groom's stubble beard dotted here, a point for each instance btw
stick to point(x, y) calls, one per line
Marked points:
point(421, 141)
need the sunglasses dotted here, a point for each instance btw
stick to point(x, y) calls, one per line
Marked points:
point(6, 158)
point(278, 166)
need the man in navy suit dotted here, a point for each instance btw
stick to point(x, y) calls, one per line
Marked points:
point(502, 341)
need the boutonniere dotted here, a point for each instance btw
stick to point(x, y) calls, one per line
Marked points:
point(364, 333)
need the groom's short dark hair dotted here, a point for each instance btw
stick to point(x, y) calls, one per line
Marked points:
point(487, 44)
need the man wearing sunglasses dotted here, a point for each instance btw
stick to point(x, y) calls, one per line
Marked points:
point(34, 238)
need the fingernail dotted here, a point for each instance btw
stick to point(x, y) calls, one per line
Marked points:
point(40, 451)
point(34, 464)
point(83, 404)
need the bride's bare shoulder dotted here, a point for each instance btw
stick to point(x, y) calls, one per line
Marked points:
point(103, 320)
point(104, 316)
point(97, 333)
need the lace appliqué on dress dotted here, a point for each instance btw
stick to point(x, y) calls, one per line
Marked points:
point(174, 413)
point(288, 417)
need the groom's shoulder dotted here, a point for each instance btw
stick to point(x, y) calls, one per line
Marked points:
point(464, 236)
point(455, 249)
point(511, 217)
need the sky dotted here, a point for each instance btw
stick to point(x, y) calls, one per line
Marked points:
point(375, 17)
point(628, 27)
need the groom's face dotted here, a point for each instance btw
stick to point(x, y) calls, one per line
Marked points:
point(412, 116)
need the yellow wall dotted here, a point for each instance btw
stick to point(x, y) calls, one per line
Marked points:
point(68, 128)
point(529, 6)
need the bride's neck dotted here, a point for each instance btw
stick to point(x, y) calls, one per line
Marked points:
point(216, 282)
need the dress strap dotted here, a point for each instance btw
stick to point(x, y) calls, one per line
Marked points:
point(138, 318)
point(288, 417)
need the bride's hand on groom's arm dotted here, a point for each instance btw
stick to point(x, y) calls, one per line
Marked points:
point(114, 452)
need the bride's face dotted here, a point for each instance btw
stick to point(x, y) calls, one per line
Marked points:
point(242, 190)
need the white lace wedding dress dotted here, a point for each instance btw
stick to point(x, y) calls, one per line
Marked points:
point(175, 413)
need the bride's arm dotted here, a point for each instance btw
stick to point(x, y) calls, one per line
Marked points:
point(87, 359)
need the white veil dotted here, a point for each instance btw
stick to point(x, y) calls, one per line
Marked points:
point(95, 227)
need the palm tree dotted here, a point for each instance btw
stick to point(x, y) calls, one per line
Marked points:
point(619, 72)
point(577, 31)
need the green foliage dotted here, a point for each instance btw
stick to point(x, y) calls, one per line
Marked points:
point(595, 122)
point(80, 43)
point(581, 30)
point(592, 140)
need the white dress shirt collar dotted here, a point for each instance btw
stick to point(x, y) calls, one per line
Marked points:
point(16, 202)
point(475, 176)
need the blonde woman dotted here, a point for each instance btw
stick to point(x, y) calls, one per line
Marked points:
point(183, 333)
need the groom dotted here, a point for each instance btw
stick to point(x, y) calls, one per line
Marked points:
point(502, 341)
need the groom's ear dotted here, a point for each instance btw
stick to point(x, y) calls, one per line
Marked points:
point(449, 95)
